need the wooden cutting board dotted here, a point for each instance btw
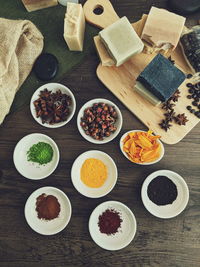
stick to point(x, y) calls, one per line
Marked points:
point(120, 80)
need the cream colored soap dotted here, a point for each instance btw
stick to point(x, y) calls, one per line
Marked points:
point(121, 40)
point(74, 27)
point(162, 29)
point(140, 89)
point(33, 5)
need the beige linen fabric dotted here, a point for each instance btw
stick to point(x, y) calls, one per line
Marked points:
point(20, 44)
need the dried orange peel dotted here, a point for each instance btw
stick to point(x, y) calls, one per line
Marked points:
point(142, 147)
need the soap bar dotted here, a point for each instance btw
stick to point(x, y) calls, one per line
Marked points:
point(74, 27)
point(106, 59)
point(121, 40)
point(33, 5)
point(161, 77)
point(140, 89)
point(190, 44)
point(163, 29)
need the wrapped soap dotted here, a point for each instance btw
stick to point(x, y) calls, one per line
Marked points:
point(190, 43)
point(162, 29)
point(121, 41)
point(161, 78)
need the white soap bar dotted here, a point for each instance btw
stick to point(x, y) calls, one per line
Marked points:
point(74, 27)
point(121, 40)
point(140, 89)
point(105, 58)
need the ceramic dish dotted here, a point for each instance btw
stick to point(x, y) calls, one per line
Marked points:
point(125, 234)
point(53, 87)
point(147, 163)
point(42, 226)
point(170, 210)
point(118, 123)
point(110, 181)
point(29, 169)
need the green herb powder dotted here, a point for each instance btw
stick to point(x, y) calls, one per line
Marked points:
point(41, 153)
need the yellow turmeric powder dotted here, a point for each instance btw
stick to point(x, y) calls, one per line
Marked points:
point(93, 173)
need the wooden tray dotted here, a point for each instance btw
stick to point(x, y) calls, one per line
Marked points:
point(120, 80)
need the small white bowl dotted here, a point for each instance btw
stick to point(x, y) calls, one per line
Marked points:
point(125, 234)
point(147, 163)
point(110, 181)
point(42, 226)
point(118, 123)
point(170, 210)
point(53, 87)
point(30, 169)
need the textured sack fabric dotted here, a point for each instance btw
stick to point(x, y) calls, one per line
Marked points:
point(20, 44)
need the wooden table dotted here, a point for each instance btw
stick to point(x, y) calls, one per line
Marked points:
point(158, 243)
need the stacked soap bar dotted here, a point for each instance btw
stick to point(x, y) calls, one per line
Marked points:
point(74, 27)
point(162, 29)
point(121, 41)
point(33, 5)
point(160, 78)
point(190, 42)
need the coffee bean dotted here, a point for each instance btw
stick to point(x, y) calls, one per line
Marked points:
point(189, 107)
point(189, 96)
point(189, 84)
point(194, 103)
point(191, 91)
point(189, 75)
point(192, 111)
point(196, 99)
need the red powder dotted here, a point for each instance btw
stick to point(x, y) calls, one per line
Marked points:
point(109, 222)
point(47, 207)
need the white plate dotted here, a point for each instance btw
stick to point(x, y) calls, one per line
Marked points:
point(110, 181)
point(118, 123)
point(170, 210)
point(53, 226)
point(125, 234)
point(32, 170)
point(147, 163)
point(53, 87)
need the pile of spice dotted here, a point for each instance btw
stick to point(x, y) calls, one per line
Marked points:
point(52, 107)
point(93, 173)
point(142, 147)
point(47, 207)
point(162, 191)
point(99, 120)
point(170, 115)
point(110, 222)
point(41, 153)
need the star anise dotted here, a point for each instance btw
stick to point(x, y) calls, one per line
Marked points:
point(170, 115)
point(175, 96)
point(171, 60)
point(168, 105)
point(181, 119)
point(165, 125)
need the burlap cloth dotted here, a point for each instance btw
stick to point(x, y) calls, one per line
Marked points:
point(20, 44)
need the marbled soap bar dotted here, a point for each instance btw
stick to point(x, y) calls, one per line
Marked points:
point(121, 40)
point(161, 78)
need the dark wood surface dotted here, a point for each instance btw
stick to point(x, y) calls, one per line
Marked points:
point(158, 243)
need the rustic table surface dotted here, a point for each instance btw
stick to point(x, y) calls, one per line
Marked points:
point(174, 242)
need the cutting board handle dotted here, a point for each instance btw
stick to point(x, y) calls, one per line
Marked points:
point(107, 17)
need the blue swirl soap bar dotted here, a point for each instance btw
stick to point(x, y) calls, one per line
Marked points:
point(161, 77)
